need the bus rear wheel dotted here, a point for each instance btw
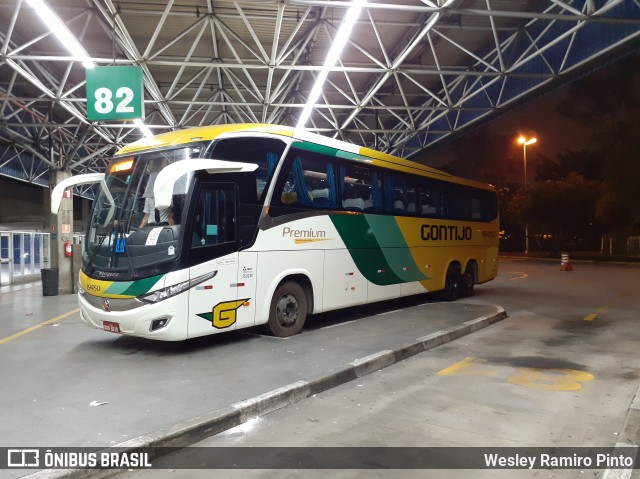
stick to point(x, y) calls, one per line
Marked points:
point(288, 310)
point(466, 284)
point(451, 290)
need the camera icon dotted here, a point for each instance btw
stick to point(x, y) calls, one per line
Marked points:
point(23, 458)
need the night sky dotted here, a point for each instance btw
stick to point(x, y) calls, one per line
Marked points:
point(555, 133)
point(537, 117)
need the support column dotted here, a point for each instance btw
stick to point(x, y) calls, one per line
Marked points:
point(61, 232)
point(46, 211)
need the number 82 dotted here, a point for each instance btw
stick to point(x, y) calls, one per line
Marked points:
point(104, 104)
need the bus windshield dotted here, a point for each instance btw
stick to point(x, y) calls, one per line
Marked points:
point(127, 236)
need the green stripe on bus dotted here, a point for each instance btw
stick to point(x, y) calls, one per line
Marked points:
point(364, 249)
point(402, 264)
point(329, 151)
point(352, 156)
point(314, 147)
point(355, 231)
point(394, 247)
point(386, 231)
point(141, 286)
point(118, 287)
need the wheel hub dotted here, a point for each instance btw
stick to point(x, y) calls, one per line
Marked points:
point(287, 310)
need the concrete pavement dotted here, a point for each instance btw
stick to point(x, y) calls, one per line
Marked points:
point(176, 393)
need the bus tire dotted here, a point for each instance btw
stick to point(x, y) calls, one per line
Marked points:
point(288, 310)
point(451, 290)
point(466, 283)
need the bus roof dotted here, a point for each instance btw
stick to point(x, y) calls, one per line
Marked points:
point(207, 133)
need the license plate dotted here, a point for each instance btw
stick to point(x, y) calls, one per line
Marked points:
point(111, 327)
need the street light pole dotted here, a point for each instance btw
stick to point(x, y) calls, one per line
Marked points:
point(524, 142)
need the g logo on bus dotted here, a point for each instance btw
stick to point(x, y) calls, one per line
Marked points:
point(105, 304)
point(224, 314)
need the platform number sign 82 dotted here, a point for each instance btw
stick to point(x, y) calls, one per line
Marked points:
point(104, 100)
point(115, 93)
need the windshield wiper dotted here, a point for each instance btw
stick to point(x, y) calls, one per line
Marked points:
point(93, 256)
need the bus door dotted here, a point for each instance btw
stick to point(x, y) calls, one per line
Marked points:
point(214, 304)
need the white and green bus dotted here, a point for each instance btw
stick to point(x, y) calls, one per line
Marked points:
point(214, 229)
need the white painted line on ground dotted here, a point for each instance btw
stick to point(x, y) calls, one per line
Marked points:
point(340, 324)
point(390, 312)
point(268, 336)
point(635, 404)
point(619, 473)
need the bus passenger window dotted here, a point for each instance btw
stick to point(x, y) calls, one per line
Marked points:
point(361, 188)
point(394, 187)
point(476, 209)
point(456, 200)
point(410, 195)
point(429, 194)
point(309, 181)
point(265, 152)
point(265, 172)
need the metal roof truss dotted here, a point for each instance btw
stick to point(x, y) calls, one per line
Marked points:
point(412, 74)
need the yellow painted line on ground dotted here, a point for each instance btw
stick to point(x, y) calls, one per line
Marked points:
point(38, 326)
point(522, 275)
point(544, 379)
point(550, 379)
point(454, 368)
point(592, 316)
point(469, 366)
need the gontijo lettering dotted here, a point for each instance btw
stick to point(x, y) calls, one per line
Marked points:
point(445, 233)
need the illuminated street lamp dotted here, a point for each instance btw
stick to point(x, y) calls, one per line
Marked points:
point(524, 142)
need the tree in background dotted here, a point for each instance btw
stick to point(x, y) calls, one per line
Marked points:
point(585, 193)
point(581, 193)
point(613, 119)
point(587, 163)
point(563, 210)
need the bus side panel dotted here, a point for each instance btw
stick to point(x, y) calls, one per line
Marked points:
point(213, 304)
point(344, 285)
point(379, 293)
point(490, 269)
point(247, 278)
point(436, 243)
point(414, 287)
point(274, 266)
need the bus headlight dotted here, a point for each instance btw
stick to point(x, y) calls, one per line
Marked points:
point(174, 289)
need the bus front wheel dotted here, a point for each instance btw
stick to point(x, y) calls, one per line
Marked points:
point(288, 310)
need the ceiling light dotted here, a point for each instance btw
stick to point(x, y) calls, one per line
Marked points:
point(60, 30)
point(337, 46)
